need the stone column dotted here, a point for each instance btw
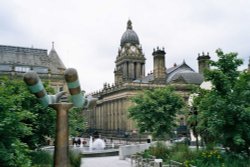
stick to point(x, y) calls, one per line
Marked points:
point(123, 122)
point(131, 70)
point(138, 71)
point(102, 117)
point(116, 114)
point(61, 152)
point(108, 115)
point(111, 116)
point(97, 117)
point(125, 70)
point(105, 116)
point(143, 69)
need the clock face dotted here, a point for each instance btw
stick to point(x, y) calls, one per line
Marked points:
point(133, 48)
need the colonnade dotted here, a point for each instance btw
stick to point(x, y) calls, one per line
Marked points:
point(113, 115)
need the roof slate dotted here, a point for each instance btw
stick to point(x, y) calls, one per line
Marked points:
point(23, 56)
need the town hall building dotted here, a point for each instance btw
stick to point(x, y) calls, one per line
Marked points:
point(111, 112)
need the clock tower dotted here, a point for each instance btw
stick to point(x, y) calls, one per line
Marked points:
point(130, 61)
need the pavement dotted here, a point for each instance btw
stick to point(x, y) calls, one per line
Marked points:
point(111, 161)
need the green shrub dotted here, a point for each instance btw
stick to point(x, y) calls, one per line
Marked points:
point(159, 150)
point(202, 158)
point(214, 158)
point(41, 159)
point(209, 158)
point(181, 153)
point(235, 160)
point(45, 159)
point(75, 159)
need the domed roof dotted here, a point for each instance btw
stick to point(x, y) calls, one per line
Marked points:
point(129, 36)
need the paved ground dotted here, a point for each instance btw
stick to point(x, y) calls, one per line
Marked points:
point(111, 161)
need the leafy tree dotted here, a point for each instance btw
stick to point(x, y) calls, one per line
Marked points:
point(76, 122)
point(155, 110)
point(24, 123)
point(13, 124)
point(224, 112)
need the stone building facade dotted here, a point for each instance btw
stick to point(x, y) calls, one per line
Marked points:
point(111, 112)
point(15, 61)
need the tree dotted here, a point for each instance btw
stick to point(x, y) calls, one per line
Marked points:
point(24, 123)
point(155, 110)
point(224, 112)
point(76, 122)
point(13, 126)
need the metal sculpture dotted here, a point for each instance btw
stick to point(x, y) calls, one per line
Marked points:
point(61, 151)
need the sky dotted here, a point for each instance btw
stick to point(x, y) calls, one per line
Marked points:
point(87, 33)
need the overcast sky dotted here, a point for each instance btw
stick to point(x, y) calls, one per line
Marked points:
point(87, 33)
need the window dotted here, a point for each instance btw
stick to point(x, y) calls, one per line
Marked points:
point(5, 67)
point(43, 70)
point(22, 68)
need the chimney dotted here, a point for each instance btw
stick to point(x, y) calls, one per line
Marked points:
point(160, 75)
point(203, 62)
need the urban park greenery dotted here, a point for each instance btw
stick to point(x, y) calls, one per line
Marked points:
point(181, 153)
point(224, 111)
point(25, 124)
point(155, 110)
point(221, 116)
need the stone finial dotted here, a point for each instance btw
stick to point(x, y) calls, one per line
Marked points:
point(129, 24)
point(53, 45)
point(105, 85)
point(184, 62)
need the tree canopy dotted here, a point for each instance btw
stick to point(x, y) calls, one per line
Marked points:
point(224, 111)
point(155, 110)
point(24, 123)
